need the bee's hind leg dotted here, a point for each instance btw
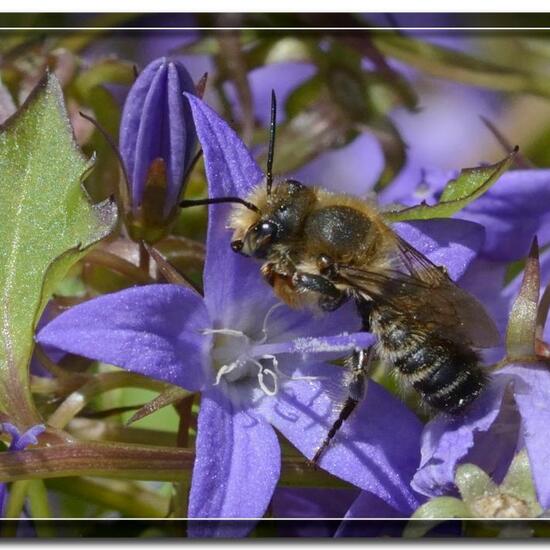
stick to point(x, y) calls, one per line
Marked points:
point(358, 365)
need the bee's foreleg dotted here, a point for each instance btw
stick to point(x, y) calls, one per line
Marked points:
point(331, 297)
point(358, 364)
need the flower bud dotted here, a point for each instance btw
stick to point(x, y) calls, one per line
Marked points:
point(157, 144)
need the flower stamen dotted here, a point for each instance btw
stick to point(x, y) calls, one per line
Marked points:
point(263, 339)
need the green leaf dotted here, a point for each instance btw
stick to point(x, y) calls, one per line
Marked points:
point(470, 184)
point(473, 483)
point(437, 508)
point(522, 324)
point(47, 224)
point(519, 482)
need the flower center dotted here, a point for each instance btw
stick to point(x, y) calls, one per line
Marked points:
point(236, 358)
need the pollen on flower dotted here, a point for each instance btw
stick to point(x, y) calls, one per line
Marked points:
point(500, 506)
point(312, 345)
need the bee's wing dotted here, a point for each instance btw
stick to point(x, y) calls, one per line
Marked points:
point(426, 297)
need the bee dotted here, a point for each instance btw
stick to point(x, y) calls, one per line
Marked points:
point(321, 249)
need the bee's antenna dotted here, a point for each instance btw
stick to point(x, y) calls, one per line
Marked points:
point(271, 149)
point(218, 200)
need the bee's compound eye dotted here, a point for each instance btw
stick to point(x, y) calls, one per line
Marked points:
point(237, 245)
point(266, 229)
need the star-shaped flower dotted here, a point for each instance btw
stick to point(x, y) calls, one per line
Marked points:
point(258, 364)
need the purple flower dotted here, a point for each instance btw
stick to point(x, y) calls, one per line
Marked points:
point(511, 415)
point(512, 211)
point(514, 413)
point(258, 364)
point(156, 124)
point(347, 513)
point(19, 442)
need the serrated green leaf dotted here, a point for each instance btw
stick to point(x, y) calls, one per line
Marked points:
point(47, 223)
point(470, 184)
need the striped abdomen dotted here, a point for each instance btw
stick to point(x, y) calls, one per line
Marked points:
point(445, 373)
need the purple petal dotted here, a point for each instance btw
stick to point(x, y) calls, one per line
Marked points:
point(156, 122)
point(131, 123)
point(283, 77)
point(232, 283)
point(447, 242)
point(486, 280)
point(512, 211)
point(319, 347)
point(300, 503)
point(291, 502)
point(12, 430)
point(237, 467)
point(366, 506)
point(351, 169)
point(151, 138)
point(182, 136)
point(230, 168)
point(3, 499)
point(377, 448)
point(30, 437)
point(414, 184)
point(485, 435)
point(152, 330)
point(531, 395)
point(476, 280)
point(282, 323)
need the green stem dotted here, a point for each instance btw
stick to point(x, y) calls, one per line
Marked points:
point(118, 264)
point(144, 258)
point(125, 461)
point(38, 503)
point(94, 458)
point(101, 383)
point(16, 499)
point(38, 499)
point(129, 498)
point(101, 430)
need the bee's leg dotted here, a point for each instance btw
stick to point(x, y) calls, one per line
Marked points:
point(331, 296)
point(364, 308)
point(358, 364)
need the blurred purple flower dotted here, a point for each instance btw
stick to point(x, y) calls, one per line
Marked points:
point(346, 513)
point(512, 211)
point(258, 364)
point(19, 442)
point(156, 124)
point(513, 414)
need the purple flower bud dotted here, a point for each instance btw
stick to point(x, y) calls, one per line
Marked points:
point(157, 124)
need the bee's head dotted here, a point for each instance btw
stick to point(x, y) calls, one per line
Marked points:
point(279, 217)
point(272, 214)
